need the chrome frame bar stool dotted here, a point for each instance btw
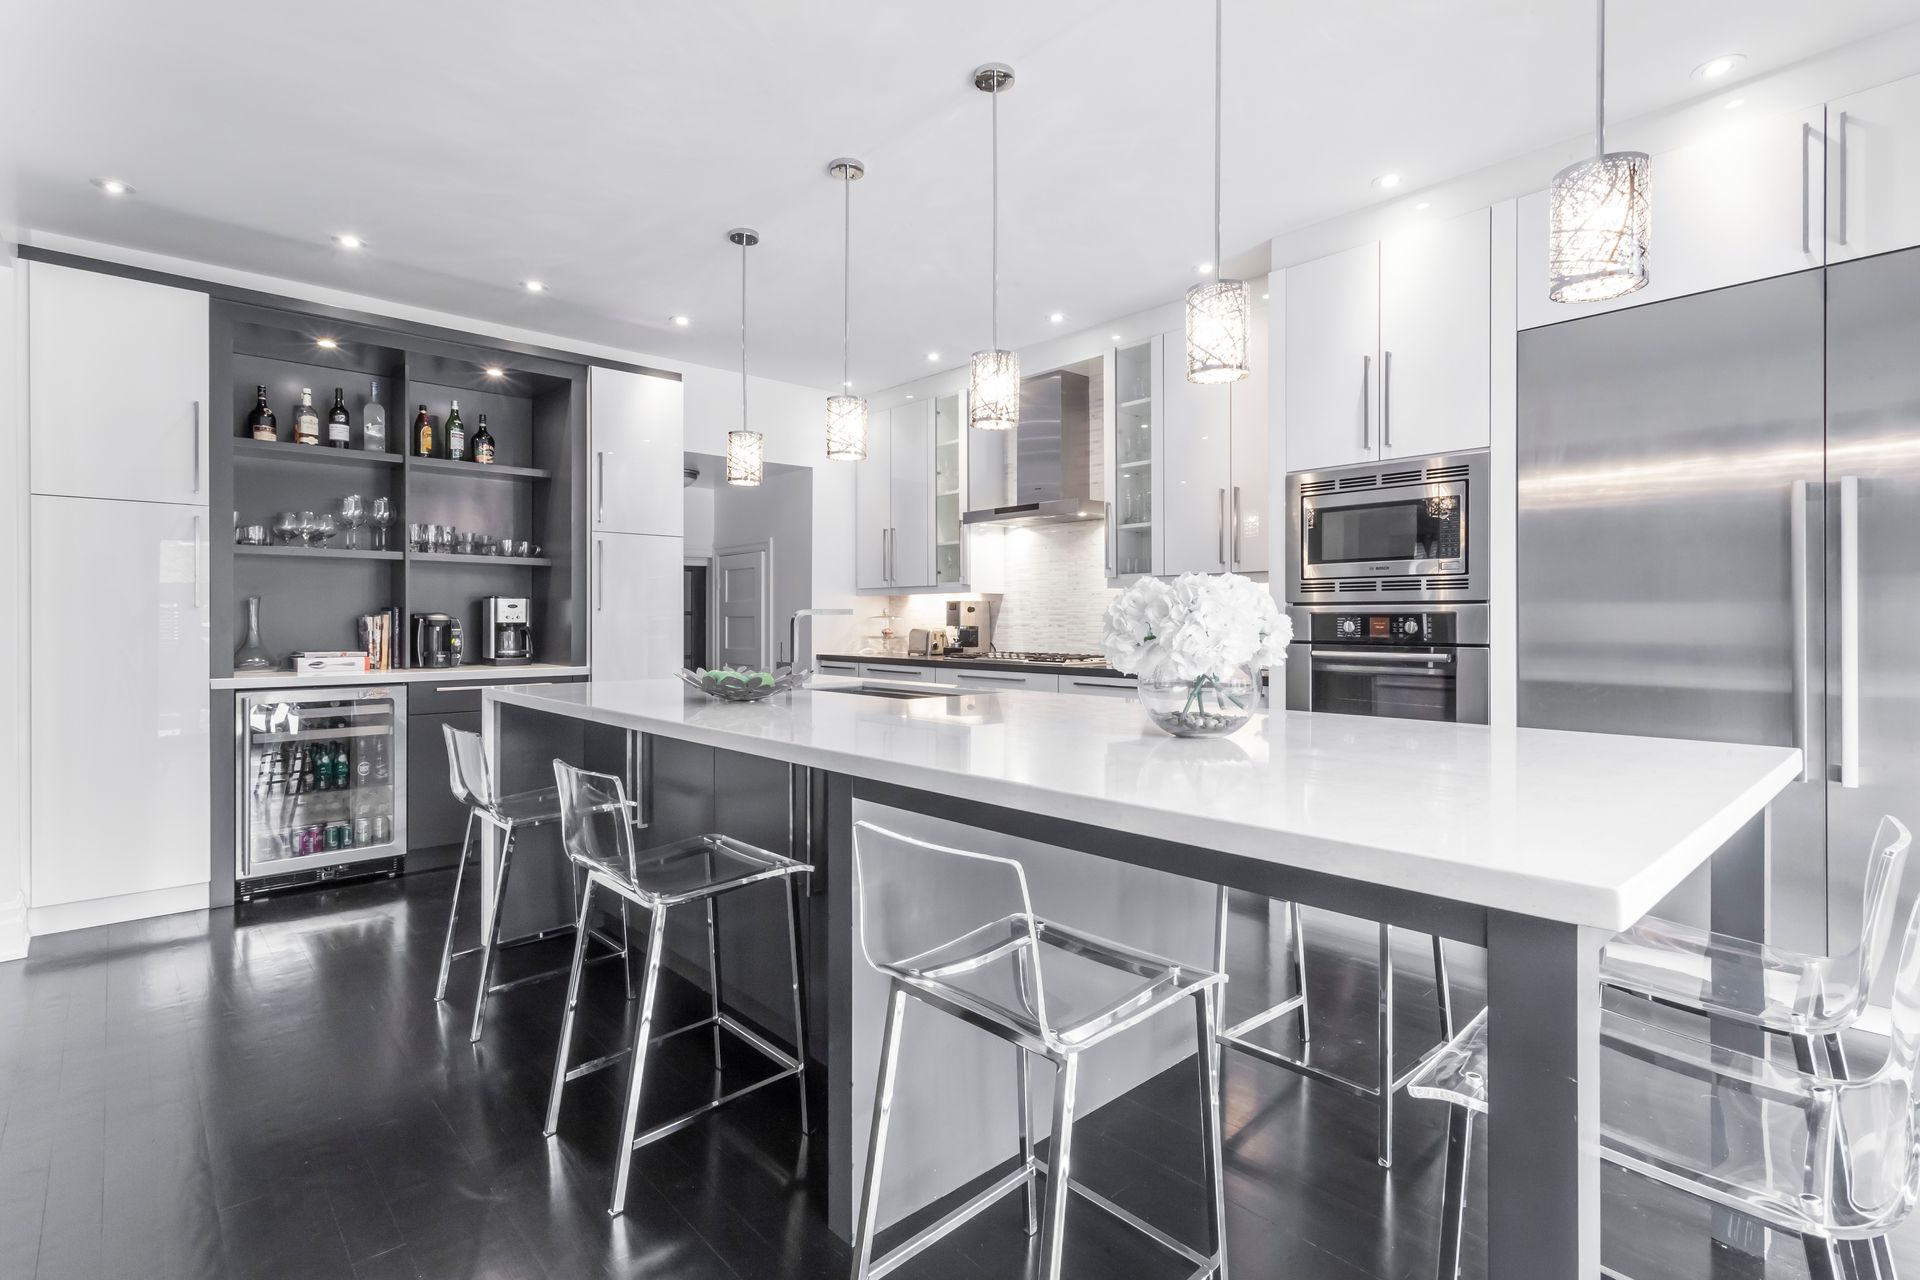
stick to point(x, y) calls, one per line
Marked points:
point(1385, 1083)
point(472, 783)
point(597, 824)
point(974, 949)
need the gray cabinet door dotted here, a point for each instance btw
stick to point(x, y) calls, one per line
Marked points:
point(435, 820)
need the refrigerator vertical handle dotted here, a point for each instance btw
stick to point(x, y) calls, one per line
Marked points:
point(1386, 400)
point(1113, 540)
point(199, 574)
point(600, 487)
point(1850, 631)
point(1366, 406)
point(599, 573)
point(1235, 548)
point(1220, 528)
point(1802, 685)
point(1806, 187)
point(1841, 135)
point(199, 441)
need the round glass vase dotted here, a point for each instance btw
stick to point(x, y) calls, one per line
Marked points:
point(252, 655)
point(1204, 708)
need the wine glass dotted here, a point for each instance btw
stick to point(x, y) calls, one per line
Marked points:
point(286, 528)
point(353, 514)
point(324, 529)
point(380, 516)
point(307, 525)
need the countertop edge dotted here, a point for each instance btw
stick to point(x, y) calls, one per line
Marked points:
point(976, 664)
point(477, 673)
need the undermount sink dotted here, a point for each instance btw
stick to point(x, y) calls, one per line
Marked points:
point(898, 692)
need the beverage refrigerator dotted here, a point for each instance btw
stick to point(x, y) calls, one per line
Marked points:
point(322, 786)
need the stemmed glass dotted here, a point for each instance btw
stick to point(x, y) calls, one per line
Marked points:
point(286, 527)
point(381, 518)
point(323, 531)
point(308, 526)
point(353, 514)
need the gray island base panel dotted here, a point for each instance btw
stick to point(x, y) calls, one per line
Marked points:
point(1534, 844)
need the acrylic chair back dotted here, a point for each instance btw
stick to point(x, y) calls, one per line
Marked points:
point(1851, 979)
point(467, 768)
point(596, 827)
point(929, 913)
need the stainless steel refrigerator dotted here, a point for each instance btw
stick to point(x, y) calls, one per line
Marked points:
point(1719, 538)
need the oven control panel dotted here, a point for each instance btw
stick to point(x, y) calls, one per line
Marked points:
point(1383, 628)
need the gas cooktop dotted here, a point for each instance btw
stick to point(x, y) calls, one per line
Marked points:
point(1061, 659)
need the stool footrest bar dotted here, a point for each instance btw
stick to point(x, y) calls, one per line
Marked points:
point(680, 1122)
point(932, 1234)
point(1144, 1227)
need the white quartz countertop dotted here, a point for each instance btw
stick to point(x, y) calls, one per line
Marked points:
point(1590, 829)
point(467, 674)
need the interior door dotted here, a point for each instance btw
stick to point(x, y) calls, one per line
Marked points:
point(1436, 345)
point(117, 387)
point(740, 608)
point(1873, 570)
point(120, 710)
point(873, 504)
point(1670, 543)
point(1333, 360)
point(910, 461)
point(1199, 469)
point(636, 624)
point(638, 427)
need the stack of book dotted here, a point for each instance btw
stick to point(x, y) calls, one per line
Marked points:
point(380, 633)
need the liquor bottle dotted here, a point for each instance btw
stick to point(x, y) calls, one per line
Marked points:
point(373, 421)
point(261, 424)
point(423, 433)
point(339, 424)
point(482, 442)
point(306, 419)
point(309, 775)
point(456, 435)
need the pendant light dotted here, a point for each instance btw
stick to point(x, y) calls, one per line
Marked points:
point(846, 412)
point(746, 450)
point(1217, 311)
point(993, 392)
point(1597, 243)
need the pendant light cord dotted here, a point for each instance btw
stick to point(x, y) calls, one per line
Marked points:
point(1600, 83)
point(1216, 139)
point(846, 278)
point(743, 333)
point(994, 328)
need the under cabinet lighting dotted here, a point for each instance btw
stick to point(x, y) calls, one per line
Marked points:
point(1714, 68)
point(346, 240)
point(325, 344)
point(113, 186)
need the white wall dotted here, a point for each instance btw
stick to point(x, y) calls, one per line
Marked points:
point(13, 636)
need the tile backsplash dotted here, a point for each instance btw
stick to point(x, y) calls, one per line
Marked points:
point(1055, 591)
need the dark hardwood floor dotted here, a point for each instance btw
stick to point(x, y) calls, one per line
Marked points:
point(274, 1094)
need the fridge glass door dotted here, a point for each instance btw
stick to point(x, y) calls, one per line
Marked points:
point(322, 779)
point(1873, 572)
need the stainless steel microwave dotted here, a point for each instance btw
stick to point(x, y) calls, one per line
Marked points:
point(1403, 530)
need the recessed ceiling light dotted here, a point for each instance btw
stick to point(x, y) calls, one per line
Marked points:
point(113, 186)
point(1714, 68)
point(325, 344)
point(1734, 104)
point(933, 355)
point(1423, 206)
point(1056, 317)
point(1204, 267)
point(909, 397)
point(1114, 337)
point(1387, 181)
point(846, 382)
point(681, 321)
point(533, 286)
point(495, 371)
point(347, 240)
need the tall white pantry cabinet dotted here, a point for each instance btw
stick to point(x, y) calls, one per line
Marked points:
point(637, 428)
point(118, 527)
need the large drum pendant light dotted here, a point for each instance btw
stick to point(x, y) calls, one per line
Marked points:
point(746, 450)
point(993, 391)
point(1217, 311)
point(846, 412)
point(1600, 212)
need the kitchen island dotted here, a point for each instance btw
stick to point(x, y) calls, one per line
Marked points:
point(1534, 844)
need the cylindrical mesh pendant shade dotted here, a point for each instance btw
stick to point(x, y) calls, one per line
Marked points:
point(1217, 324)
point(994, 392)
point(746, 457)
point(1600, 218)
point(846, 429)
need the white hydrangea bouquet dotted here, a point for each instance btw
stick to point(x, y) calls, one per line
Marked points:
point(1194, 642)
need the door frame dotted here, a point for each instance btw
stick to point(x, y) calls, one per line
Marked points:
point(704, 562)
point(764, 549)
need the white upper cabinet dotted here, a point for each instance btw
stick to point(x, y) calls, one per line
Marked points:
point(1248, 487)
point(638, 425)
point(1873, 171)
point(1135, 451)
point(873, 504)
point(910, 464)
point(117, 387)
point(1333, 356)
point(1435, 338)
point(1744, 204)
point(1198, 476)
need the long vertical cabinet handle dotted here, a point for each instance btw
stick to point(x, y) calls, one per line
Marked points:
point(199, 441)
point(1234, 546)
point(1806, 187)
point(1366, 407)
point(1386, 400)
point(1113, 541)
point(600, 487)
point(199, 575)
point(1220, 528)
point(599, 573)
point(1841, 135)
point(1802, 685)
point(1850, 631)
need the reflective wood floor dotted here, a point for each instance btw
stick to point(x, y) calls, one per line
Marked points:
point(275, 1095)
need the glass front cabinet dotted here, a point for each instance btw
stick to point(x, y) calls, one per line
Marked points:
point(949, 491)
point(1134, 461)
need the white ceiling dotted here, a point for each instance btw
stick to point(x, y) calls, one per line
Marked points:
point(606, 147)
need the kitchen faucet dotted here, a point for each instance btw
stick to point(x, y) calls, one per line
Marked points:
point(793, 629)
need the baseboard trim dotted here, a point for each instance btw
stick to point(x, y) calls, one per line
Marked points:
point(64, 916)
point(13, 929)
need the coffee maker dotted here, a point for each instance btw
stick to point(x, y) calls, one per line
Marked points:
point(506, 635)
point(436, 640)
point(969, 627)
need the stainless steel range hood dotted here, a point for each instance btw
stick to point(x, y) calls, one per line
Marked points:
point(1047, 478)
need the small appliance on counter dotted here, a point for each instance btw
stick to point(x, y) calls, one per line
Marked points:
point(436, 640)
point(919, 643)
point(506, 636)
point(970, 624)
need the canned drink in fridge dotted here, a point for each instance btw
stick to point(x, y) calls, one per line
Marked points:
point(334, 840)
point(382, 829)
point(363, 831)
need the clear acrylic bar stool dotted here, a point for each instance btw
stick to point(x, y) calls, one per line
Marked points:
point(1809, 999)
point(1833, 1161)
point(956, 931)
point(1385, 1083)
point(597, 822)
point(472, 784)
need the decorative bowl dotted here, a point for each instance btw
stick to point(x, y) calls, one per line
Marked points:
point(743, 684)
point(1203, 708)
